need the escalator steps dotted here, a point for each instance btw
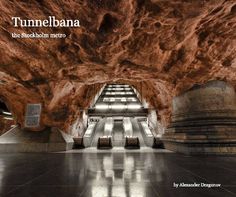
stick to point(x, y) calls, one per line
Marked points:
point(157, 143)
point(104, 142)
point(132, 142)
point(78, 143)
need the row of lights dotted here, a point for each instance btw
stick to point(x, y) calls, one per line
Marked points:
point(118, 89)
point(7, 115)
point(119, 99)
point(116, 106)
point(119, 93)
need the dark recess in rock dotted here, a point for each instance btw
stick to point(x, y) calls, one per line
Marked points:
point(202, 36)
point(216, 10)
point(60, 114)
point(3, 106)
point(233, 9)
point(158, 24)
point(153, 8)
point(108, 24)
point(176, 13)
point(227, 62)
point(174, 58)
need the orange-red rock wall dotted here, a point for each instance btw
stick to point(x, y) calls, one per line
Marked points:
point(169, 45)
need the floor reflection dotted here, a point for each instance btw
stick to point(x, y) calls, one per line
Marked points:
point(113, 174)
point(124, 175)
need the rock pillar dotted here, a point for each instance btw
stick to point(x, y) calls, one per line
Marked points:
point(203, 120)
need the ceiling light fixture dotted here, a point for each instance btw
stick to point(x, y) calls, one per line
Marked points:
point(118, 107)
point(134, 106)
point(7, 113)
point(8, 118)
point(101, 106)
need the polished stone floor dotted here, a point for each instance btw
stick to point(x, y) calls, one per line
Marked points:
point(115, 174)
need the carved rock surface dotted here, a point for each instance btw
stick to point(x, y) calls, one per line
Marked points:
point(167, 45)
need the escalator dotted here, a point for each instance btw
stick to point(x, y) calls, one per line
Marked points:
point(118, 134)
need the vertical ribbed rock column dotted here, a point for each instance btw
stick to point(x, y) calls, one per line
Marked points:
point(203, 120)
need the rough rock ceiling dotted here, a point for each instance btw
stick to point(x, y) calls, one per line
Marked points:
point(170, 45)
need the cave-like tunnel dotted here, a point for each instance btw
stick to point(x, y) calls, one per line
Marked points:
point(6, 118)
point(118, 98)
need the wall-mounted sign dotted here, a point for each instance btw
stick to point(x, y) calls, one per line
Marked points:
point(33, 113)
